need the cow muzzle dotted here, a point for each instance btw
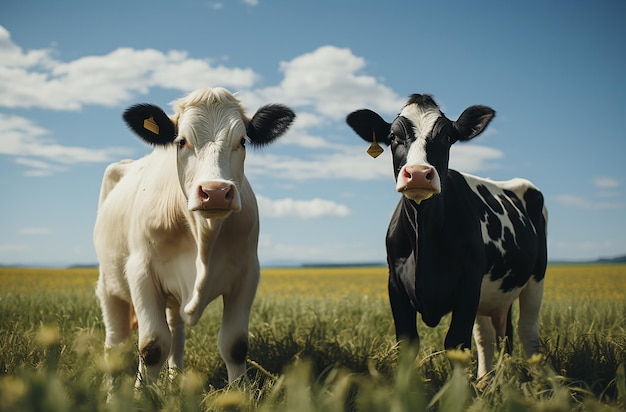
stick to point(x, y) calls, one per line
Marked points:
point(215, 199)
point(418, 182)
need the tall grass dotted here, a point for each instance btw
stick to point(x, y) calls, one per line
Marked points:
point(313, 348)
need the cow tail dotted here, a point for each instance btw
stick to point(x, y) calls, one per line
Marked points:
point(538, 214)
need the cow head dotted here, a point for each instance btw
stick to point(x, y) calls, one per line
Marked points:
point(420, 138)
point(210, 132)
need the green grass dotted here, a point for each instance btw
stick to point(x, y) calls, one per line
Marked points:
point(315, 353)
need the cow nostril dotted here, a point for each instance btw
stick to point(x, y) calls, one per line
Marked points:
point(429, 176)
point(202, 193)
point(230, 193)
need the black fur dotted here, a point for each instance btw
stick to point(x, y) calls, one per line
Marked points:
point(239, 349)
point(135, 116)
point(151, 353)
point(268, 123)
point(473, 121)
point(365, 123)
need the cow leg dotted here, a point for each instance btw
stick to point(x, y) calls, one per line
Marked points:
point(154, 341)
point(460, 333)
point(464, 315)
point(154, 334)
point(485, 338)
point(509, 330)
point(404, 314)
point(488, 331)
point(233, 335)
point(177, 329)
point(115, 314)
point(528, 324)
point(501, 323)
point(116, 317)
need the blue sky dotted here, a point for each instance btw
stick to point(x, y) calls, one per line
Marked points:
point(553, 71)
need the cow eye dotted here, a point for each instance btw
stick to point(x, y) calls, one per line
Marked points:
point(243, 142)
point(394, 138)
point(181, 143)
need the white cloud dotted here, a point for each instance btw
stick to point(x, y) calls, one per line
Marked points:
point(299, 135)
point(272, 252)
point(251, 2)
point(344, 162)
point(12, 55)
point(328, 80)
point(10, 248)
point(28, 143)
point(38, 167)
point(303, 209)
point(472, 158)
point(35, 79)
point(35, 231)
point(604, 182)
point(586, 203)
point(606, 191)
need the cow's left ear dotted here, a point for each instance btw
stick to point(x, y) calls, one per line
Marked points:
point(369, 125)
point(269, 123)
point(150, 123)
point(472, 122)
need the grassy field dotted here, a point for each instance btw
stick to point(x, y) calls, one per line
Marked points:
point(321, 339)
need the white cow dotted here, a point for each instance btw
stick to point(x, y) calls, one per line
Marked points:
point(179, 227)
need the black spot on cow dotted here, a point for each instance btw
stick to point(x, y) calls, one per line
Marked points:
point(489, 199)
point(239, 349)
point(511, 211)
point(494, 226)
point(151, 353)
point(496, 266)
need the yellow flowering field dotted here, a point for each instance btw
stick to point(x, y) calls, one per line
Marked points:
point(563, 281)
point(585, 281)
point(325, 282)
point(51, 280)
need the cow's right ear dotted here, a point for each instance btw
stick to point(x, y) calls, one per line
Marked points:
point(369, 125)
point(268, 123)
point(472, 122)
point(150, 123)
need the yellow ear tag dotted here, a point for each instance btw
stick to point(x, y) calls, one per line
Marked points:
point(151, 125)
point(374, 150)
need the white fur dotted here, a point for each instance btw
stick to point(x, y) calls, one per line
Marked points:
point(424, 120)
point(167, 261)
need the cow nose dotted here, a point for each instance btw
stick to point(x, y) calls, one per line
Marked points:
point(216, 195)
point(418, 175)
point(418, 182)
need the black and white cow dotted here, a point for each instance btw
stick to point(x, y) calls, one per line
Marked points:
point(456, 242)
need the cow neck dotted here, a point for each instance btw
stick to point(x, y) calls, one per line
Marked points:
point(427, 227)
point(204, 230)
point(427, 221)
point(426, 217)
